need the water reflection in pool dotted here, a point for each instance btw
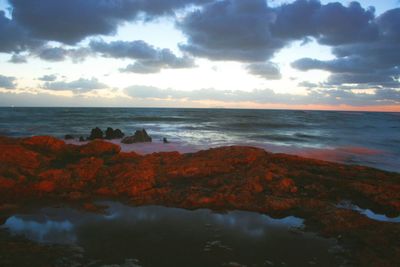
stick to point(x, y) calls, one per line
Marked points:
point(160, 236)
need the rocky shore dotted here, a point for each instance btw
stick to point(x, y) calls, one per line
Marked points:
point(45, 169)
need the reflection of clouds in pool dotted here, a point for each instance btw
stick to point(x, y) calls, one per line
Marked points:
point(254, 224)
point(45, 231)
point(140, 232)
point(58, 225)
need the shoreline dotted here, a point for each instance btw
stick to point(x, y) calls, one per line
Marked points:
point(44, 169)
point(349, 155)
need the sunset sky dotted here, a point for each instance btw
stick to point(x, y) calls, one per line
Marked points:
point(304, 54)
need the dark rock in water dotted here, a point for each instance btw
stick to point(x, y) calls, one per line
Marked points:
point(81, 139)
point(68, 137)
point(113, 134)
point(118, 133)
point(96, 133)
point(165, 141)
point(140, 136)
point(109, 133)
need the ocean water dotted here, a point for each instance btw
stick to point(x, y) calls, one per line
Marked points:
point(365, 138)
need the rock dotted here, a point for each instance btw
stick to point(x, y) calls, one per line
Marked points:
point(140, 136)
point(96, 133)
point(68, 137)
point(113, 134)
point(81, 139)
point(46, 144)
point(165, 141)
point(224, 178)
point(118, 133)
point(87, 168)
point(99, 148)
point(45, 186)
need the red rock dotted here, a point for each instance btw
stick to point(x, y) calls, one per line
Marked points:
point(55, 175)
point(45, 186)
point(6, 183)
point(222, 178)
point(99, 148)
point(14, 156)
point(286, 185)
point(268, 176)
point(104, 191)
point(44, 144)
point(87, 169)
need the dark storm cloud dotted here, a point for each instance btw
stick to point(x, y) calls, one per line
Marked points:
point(231, 30)
point(57, 54)
point(78, 86)
point(252, 31)
point(73, 20)
point(148, 58)
point(53, 54)
point(366, 47)
point(48, 78)
point(18, 59)
point(120, 49)
point(7, 82)
point(268, 70)
point(165, 59)
point(13, 37)
point(330, 24)
point(373, 63)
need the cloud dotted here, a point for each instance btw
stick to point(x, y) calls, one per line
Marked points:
point(330, 24)
point(120, 49)
point(13, 37)
point(148, 59)
point(73, 20)
point(267, 96)
point(53, 54)
point(231, 30)
point(48, 78)
point(165, 60)
point(253, 31)
point(268, 70)
point(307, 84)
point(373, 63)
point(78, 86)
point(7, 82)
point(18, 59)
point(57, 54)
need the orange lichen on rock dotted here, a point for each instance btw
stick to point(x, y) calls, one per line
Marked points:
point(45, 186)
point(244, 178)
point(99, 148)
point(6, 183)
point(44, 144)
point(86, 169)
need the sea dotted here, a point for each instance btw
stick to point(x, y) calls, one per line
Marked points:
point(358, 138)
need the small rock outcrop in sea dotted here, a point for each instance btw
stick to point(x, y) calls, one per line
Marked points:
point(96, 133)
point(68, 137)
point(165, 140)
point(113, 134)
point(140, 136)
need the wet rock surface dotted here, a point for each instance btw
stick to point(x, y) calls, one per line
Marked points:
point(113, 134)
point(96, 133)
point(46, 169)
point(140, 136)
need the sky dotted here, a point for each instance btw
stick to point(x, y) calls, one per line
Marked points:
point(303, 54)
